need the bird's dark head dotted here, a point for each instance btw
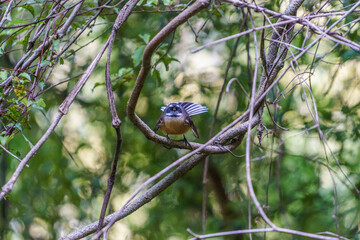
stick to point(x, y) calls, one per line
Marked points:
point(174, 110)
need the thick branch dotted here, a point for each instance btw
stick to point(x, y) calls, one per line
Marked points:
point(167, 181)
point(141, 200)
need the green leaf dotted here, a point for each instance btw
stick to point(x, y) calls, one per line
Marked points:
point(30, 9)
point(41, 102)
point(17, 125)
point(28, 141)
point(25, 102)
point(26, 41)
point(25, 75)
point(3, 140)
point(151, 3)
point(137, 55)
point(156, 74)
point(45, 63)
point(349, 54)
point(124, 71)
point(140, 3)
point(61, 61)
point(97, 85)
point(74, 25)
point(35, 106)
point(17, 21)
point(145, 37)
point(57, 44)
point(167, 60)
point(41, 85)
point(180, 5)
point(168, 2)
point(3, 75)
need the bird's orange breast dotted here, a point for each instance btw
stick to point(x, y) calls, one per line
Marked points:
point(174, 126)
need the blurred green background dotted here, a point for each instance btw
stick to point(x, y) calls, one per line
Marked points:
point(64, 186)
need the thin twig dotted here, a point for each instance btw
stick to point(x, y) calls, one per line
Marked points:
point(6, 189)
point(288, 19)
point(13, 155)
point(206, 163)
point(116, 122)
point(6, 13)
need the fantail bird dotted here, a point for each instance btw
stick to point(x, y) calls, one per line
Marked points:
point(175, 119)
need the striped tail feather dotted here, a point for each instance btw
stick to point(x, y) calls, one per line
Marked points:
point(193, 108)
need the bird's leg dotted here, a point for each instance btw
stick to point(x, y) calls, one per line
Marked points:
point(167, 137)
point(186, 142)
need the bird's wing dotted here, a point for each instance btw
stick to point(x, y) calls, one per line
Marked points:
point(193, 108)
point(159, 123)
point(192, 125)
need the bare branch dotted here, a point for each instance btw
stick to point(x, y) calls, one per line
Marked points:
point(287, 19)
point(7, 11)
point(13, 155)
point(259, 230)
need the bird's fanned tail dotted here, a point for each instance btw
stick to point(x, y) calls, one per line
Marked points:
point(191, 108)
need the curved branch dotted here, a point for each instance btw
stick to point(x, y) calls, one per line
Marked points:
point(146, 66)
point(151, 193)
